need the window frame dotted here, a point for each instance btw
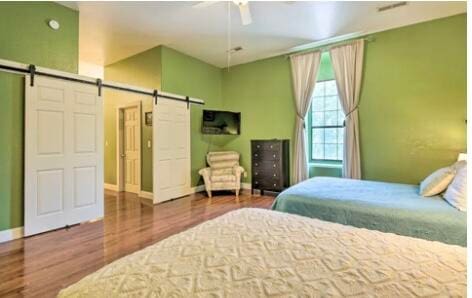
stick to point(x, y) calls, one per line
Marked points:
point(310, 135)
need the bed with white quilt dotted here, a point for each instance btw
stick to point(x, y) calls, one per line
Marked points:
point(263, 253)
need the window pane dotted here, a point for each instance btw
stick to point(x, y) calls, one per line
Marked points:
point(340, 135)
point(318, 151)
point(318, 135)
point(331, 151)
point(319, 89)
point(331, 103)
point(340, 151)
point(339, 104)
point(327, 143)
point(331, 118)
point(318, 119)
point(318, 104)
point(330, 88)
point(330, 135)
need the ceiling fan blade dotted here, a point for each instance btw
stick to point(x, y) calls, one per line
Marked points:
point(203, 4)
point(245, 12)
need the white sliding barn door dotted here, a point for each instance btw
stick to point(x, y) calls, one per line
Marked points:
point(171, 150)
point(63, 154)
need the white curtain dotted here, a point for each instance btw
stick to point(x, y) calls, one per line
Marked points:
point(347, 65)
point(304, 72)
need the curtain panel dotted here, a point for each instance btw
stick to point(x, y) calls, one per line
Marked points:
point(347, 61)
point(304, 72)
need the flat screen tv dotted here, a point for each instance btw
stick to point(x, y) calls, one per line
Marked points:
point(221, 123)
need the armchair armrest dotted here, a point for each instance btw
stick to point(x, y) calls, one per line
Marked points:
point(206, 173)
point(238, 170)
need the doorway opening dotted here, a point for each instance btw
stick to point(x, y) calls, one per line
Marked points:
point(129, 147)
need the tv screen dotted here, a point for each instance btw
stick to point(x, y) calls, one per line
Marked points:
point(221, 123)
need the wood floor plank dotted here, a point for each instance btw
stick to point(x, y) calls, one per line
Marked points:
point(41, 265)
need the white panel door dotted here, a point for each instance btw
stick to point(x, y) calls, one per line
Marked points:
point(131, 148)
point(171, 150)
point(63, 154)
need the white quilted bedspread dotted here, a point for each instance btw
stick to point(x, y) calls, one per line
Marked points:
point(262, 253)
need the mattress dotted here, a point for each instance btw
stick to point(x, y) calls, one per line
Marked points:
point(387, 207)
point(262, 253)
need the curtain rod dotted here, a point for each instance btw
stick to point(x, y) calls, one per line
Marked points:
point(324, 48)
point(32, 70)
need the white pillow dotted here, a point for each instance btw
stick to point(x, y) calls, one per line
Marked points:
point(456, 193)
point(437, 182)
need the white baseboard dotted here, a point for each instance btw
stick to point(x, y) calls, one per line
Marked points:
point(146, 195)
point(109, 186)
point(12, 234)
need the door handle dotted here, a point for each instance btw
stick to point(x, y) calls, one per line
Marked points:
point(123, 155)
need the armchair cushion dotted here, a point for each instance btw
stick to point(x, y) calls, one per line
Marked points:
point(222, 159)
point(219, 172)
point(223, 178)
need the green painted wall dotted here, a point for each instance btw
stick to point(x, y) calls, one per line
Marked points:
point(413, 102)
point(25, 37)
point(262, 92)
point(144, 70)
point(412, 106)
point(182, 74)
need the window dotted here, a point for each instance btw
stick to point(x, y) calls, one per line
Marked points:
point(326, 121)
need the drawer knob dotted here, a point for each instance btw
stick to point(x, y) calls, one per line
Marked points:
point(255, 173)
point(257, 164)
point(275, 175)
point(257, 182)
point(270, 146)
point(274, 155)
point(274, 165)
point(255, 155)
point(258, 146)
point(275, 185)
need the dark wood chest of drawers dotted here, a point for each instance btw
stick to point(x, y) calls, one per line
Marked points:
point(270, 165)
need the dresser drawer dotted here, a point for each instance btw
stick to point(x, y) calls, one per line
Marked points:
point(266, 173)
point(265, 165)
point(266, 146)
point(265, 155)
point(268, 184)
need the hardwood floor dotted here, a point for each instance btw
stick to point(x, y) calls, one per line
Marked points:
point(41, 265)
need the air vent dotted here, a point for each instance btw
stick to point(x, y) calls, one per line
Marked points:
point(391, 6)
point(236, 49)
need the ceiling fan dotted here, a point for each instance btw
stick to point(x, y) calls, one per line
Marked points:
point(243, 6)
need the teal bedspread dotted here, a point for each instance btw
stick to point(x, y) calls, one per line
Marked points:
point(387, 207)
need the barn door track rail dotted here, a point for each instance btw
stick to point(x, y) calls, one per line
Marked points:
point(33, 70)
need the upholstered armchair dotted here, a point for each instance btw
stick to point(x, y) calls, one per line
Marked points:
point(223, 173)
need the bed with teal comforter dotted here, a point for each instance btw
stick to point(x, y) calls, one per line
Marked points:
point(387, 207)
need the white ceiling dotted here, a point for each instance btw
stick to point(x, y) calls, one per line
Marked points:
point(111, 31)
